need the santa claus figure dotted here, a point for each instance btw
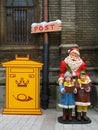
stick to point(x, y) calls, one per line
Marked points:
point(72, 63)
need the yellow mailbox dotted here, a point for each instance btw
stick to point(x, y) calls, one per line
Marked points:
point(22, 86)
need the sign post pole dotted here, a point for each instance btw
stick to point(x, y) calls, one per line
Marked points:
point(45, 77)
point(45, 27)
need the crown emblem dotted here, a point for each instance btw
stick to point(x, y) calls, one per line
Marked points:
point(22, 82)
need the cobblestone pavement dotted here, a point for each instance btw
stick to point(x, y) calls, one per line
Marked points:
point(46, 121)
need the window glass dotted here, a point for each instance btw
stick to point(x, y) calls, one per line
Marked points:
point(19, 2)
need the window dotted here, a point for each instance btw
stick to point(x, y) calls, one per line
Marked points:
point(19, 2)
point(19, 15)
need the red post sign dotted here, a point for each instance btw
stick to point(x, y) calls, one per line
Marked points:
point(46, 27)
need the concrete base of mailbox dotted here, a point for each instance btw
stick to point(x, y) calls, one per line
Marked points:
point(22, 111)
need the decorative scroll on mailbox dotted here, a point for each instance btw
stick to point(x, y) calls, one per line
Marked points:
point(22, 86)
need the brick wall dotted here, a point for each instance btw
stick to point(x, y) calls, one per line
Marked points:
point(68, 19)
point(86, 22)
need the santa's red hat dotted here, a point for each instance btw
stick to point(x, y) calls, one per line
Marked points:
point(74, 50)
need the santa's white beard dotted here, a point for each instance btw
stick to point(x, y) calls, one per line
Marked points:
point(73, 63)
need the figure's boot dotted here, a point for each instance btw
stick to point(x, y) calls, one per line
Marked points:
point(79, 116)
point(64, 115)
point(70, 114)
point(84, 116)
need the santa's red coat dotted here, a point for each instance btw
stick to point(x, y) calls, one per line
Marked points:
point(63, 69)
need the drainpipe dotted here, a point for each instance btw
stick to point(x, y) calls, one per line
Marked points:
point(45, 71)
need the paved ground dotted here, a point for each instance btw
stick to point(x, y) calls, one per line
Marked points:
point(46, 121)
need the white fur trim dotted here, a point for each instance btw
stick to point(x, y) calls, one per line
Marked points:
point(75, 51)
point(69, 51)
point(81, 110)
point(65, 106)
point(84, 110)
point(83, 103)
point(60, 78)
